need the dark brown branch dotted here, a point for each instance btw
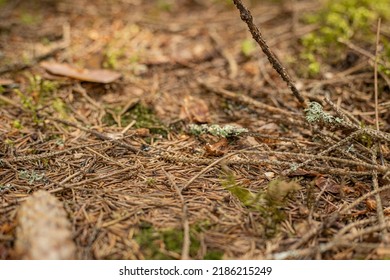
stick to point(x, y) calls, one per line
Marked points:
point(256, 34)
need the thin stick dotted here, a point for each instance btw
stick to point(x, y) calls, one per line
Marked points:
point(376, 74)
point(185, 252)
point(246, 16)
point(379, 208)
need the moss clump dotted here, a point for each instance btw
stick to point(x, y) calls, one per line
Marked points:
point(342, 20)
point(151, 241)
point(213, 255)
point(38, 94)
point(143, 115)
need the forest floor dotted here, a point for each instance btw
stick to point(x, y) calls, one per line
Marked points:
point(139, 182)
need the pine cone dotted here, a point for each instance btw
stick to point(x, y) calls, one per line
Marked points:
point(43, 231)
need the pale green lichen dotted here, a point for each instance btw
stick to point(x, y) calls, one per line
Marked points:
point(293, 167)
point(216, 130)
point(31, 176)
point(316, 114)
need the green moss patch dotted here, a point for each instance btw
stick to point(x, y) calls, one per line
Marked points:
point(343, 20)
point(155, 243)
point(144, 117)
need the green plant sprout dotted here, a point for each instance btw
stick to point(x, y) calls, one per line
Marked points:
point(40, 86)
point(17, 124)
point(216, 130)
point(315, 114)
point(248, 46)
point(268, 203)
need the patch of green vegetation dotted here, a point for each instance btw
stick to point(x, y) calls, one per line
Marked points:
point(34, 97)
point(61, 108)
point(28, 18)
point(144, 117)
point(9, 142)
point(17, 124)
point(41, 88)
point(150, 182)
point(268, 203)
point(366, 140)
point(29, 105)
point(118, 57)
point(3, 2)
point(151, 240)
point(112, 55)
point(227, 3)
point(248, 46)
point(165, 5)
point(338, 21)
point(213, 255)
point(245, 196)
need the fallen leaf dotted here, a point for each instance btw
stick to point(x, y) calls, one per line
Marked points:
point(196, 110)
point(217, 149)
point(329, 184)
point(89, 75)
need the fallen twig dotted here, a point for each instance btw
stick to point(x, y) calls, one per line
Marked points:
point(246, 16)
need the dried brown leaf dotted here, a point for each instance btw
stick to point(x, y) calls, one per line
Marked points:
point(217, 149)
point(328, 184)
point(94, 75)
